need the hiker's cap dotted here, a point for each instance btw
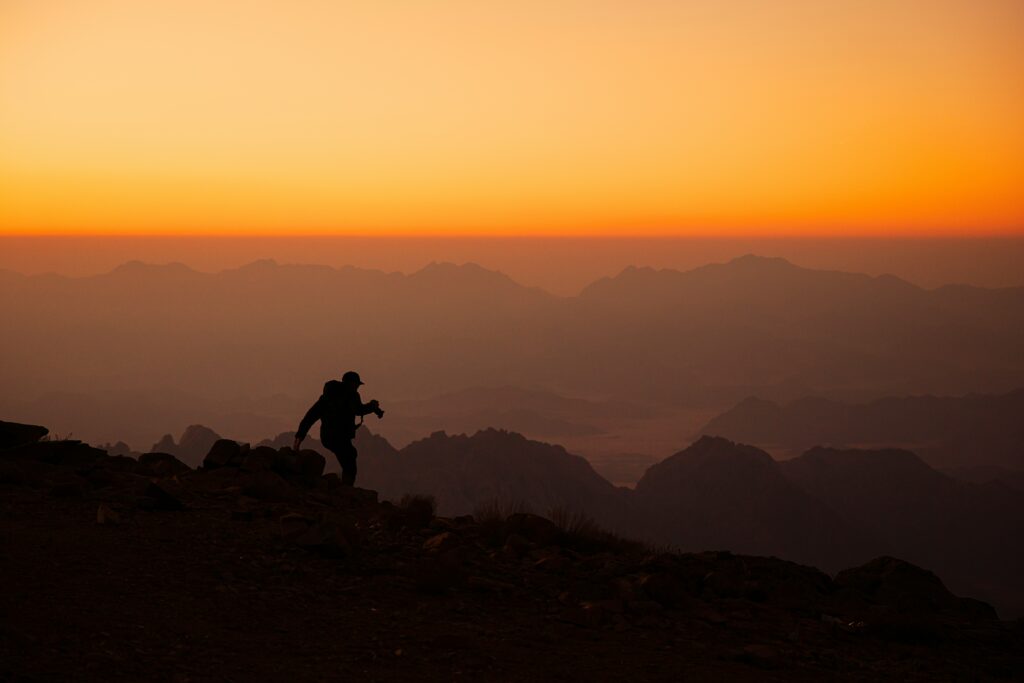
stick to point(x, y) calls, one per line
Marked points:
point(351, 377)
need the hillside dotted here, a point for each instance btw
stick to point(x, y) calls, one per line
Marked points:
point(827, 508)
point(948, 432)
point(720, 495)
point(929, 518)
point(257, 567)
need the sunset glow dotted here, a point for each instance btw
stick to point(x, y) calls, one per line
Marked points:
point(702, 117)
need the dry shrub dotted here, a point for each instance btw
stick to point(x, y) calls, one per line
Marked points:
point(491, 516)
point(580, 532)
point(417, 510)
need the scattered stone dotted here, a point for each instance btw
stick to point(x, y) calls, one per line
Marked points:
point(105, 515)
point(665, 589)
point(293, 524)
point(441, 542)
point(644, 607)
point(586, 615)
point(157, 497)
point(66, 489)
point(328, 539)
point(438, 573)
point(11, 474)
point(481, 583)
point(758, 655)
point(553, 563)
point(517, 546)
point(99, 477)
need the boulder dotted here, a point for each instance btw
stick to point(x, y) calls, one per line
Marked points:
point(14, 434)
point(68, 453)
point(304, 466)
point(260, 458)
point(223, 453)
point(905, 587)
point(309, 464)
point(162, 464)
point(265, 485)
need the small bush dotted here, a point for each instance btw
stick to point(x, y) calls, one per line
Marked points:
point(417, 510)
point(491, 516)
point(580, 532)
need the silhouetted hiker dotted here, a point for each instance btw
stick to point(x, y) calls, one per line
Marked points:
point(337, 409)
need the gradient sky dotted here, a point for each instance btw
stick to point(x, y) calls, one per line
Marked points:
point(529, 117)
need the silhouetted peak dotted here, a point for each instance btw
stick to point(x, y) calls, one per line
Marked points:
point(889, 460)
point(136, 267)
point(461, 275)
point(712, 458)
point(440, 269)
point(194, 432)
point(260, 265)
point(708, 448)
point(489, 436)
point(761, 263)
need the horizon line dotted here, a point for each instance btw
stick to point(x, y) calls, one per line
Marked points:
point(651, 236)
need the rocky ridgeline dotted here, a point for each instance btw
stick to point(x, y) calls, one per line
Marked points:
point(735, 614)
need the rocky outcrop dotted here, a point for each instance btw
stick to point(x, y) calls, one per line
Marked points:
point(264, 548)
point(13, 434)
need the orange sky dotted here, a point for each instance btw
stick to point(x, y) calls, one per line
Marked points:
point(527, 117)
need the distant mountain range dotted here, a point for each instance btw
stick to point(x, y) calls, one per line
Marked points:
point(828, 507)
point(704, 337)
point(962, 433)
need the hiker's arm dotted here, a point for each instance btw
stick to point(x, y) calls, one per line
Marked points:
point(312, 415)
point(361, 408)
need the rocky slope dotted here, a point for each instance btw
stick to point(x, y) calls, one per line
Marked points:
point(259, 567)
point(719, 494)
point(828, 508)
point(903, 505)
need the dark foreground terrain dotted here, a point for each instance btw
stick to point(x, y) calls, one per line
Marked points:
point(259, 567)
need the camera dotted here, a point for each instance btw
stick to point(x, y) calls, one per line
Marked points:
point(376, 409)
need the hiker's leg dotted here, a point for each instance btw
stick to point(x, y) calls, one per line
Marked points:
point(347, 459)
